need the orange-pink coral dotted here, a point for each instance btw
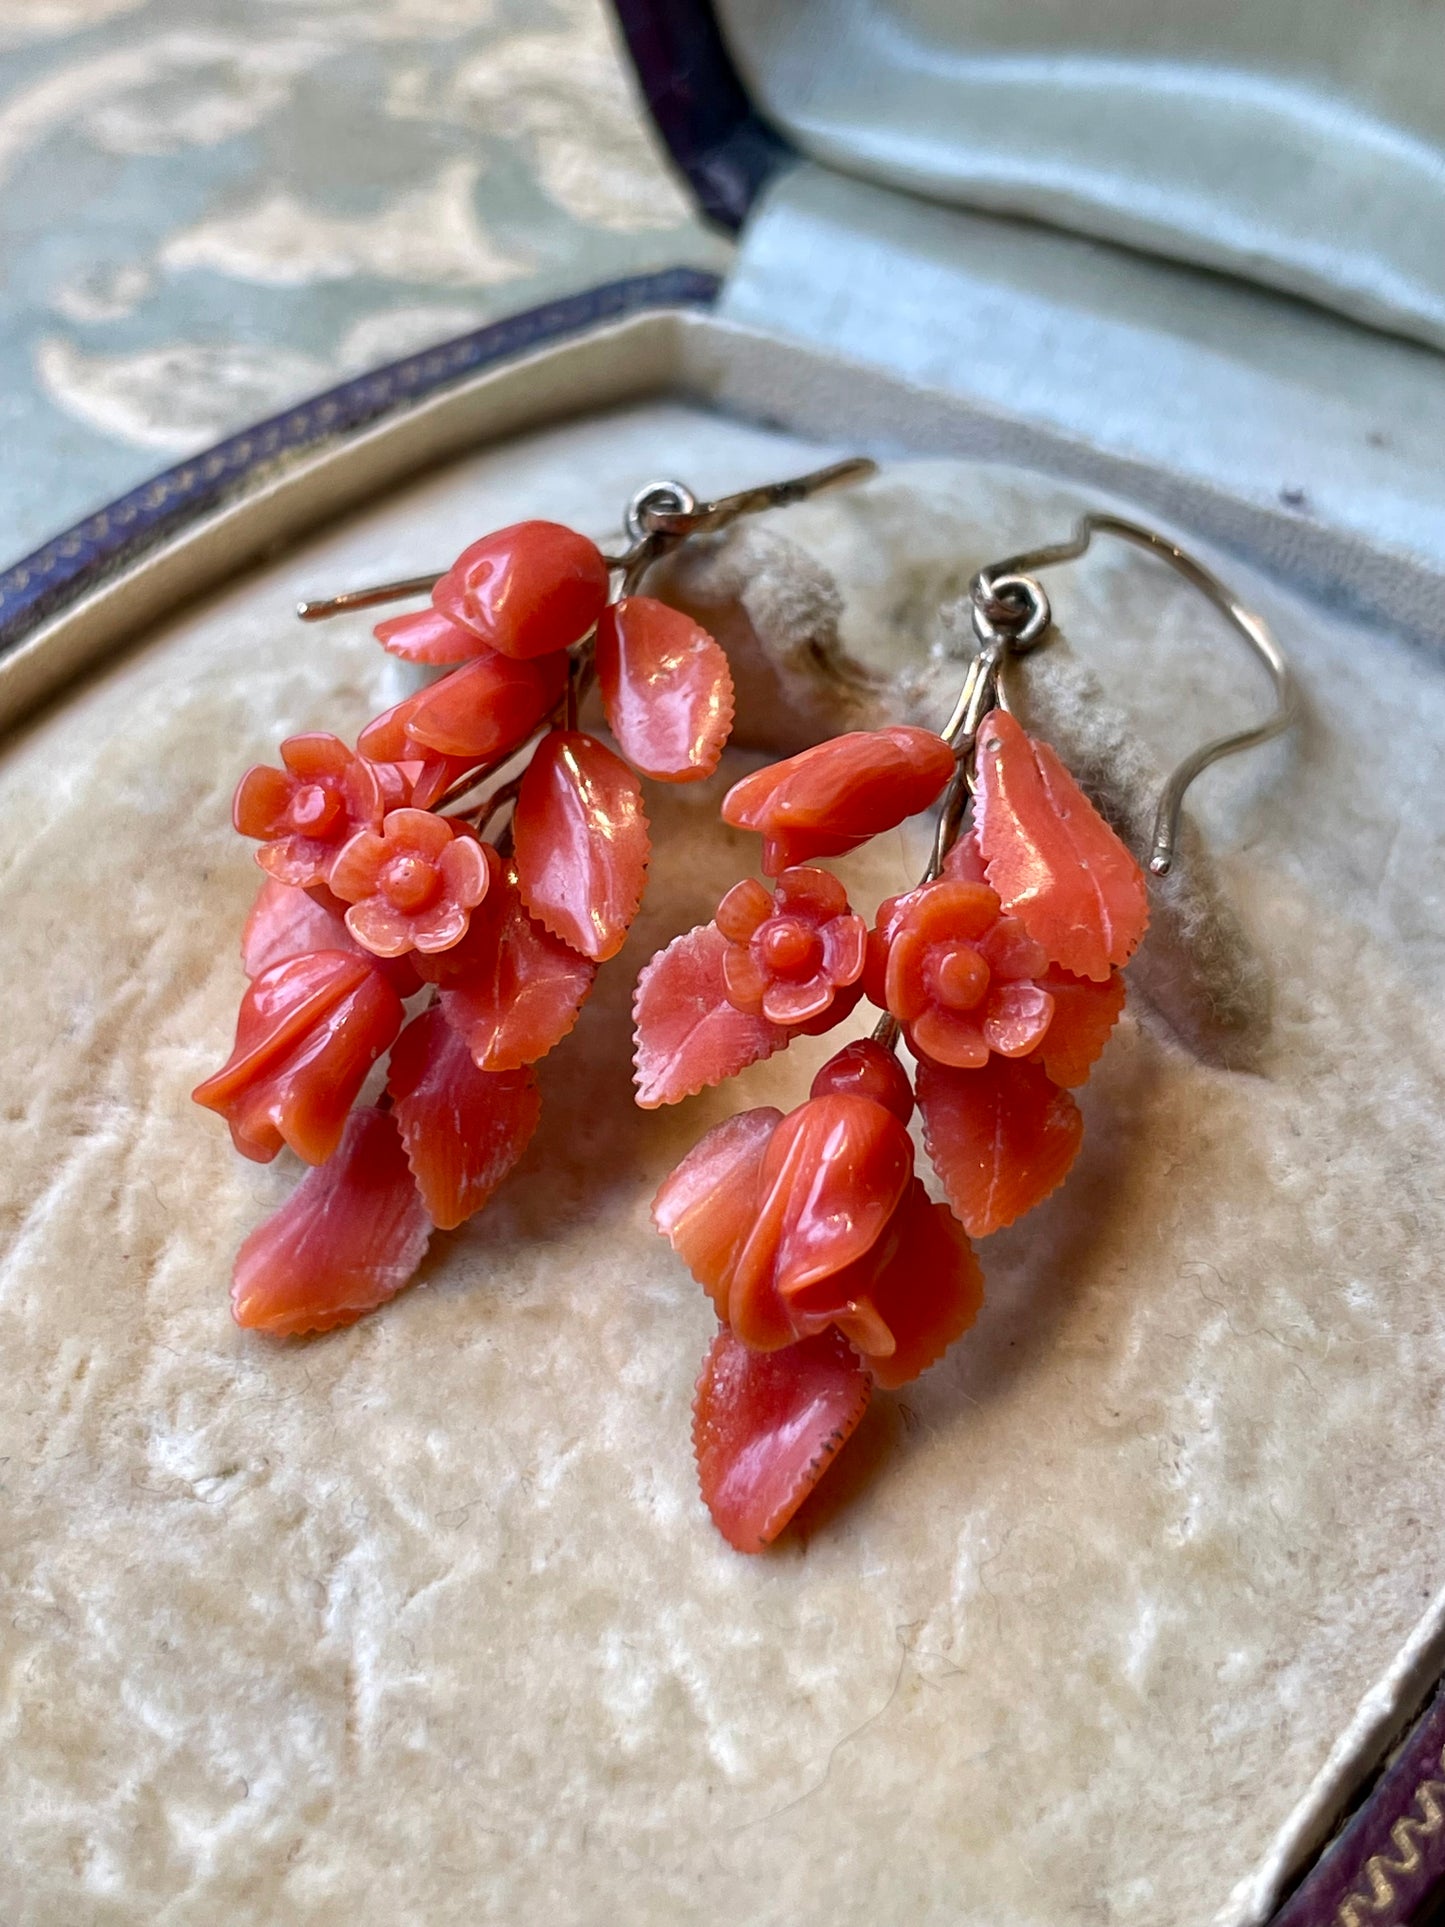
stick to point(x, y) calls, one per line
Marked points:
point(413, 886)
point(796, 956)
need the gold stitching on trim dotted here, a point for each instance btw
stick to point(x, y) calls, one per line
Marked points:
point(1357, 1908)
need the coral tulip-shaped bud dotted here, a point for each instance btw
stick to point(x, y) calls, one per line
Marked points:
point(795, 1224)
point(921, 1285)
point(413, 886)
point(581, 841)
point(833, 1174)
point(666, 689)
point(831, 798)
point(761, 1209)
point(347, 1239)
point(304, 813)
point(794, 957)
point(766, 1427)
point(1052, 858)
point(962, 979)
point(309, 1030)
point(526, 590)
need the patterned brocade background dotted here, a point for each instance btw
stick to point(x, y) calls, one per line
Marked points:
point(208, 210)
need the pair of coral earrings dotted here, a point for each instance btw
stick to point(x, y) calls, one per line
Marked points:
point(447, 890)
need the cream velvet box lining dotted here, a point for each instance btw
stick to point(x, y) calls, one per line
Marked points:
point(424, 1620)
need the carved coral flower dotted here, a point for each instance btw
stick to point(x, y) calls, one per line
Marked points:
point(795, 957)
point(304, 813)
point(958, 975)
point(414, 886)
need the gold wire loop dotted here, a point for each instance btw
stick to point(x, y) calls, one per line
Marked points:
point(655, 499)
point(1016, 611)
point(996, 593)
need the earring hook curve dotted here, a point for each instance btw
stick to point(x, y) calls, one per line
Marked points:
point(996, 597)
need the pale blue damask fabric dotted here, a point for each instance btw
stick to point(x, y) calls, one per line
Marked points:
point(211, 207)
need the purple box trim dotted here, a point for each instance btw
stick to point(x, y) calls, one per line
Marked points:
point(73, 563)
point(1389, 1859)
point(700, 106)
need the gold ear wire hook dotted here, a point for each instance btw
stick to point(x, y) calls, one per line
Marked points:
point(659, 515)
point(1001, 594)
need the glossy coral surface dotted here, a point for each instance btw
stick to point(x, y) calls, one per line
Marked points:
point(924, 1289)
point(510, 988)
point(767, 1427)
point(304, 812)
point(909, 1283)
point(287, 922)
point(688, 1034)
point(666, 689)
point(831, 798)
point(427, 636)
point(526, 590)
point(1085, 1014)
point(487, 707)
point(348, 1238)
point(309, 1030)
point(864, 1069)
point(413, 886)
point(581, 842)
point(428, 774)
point(462, 1128)
point(795, 956)
point(962, 979)
point(1001, 1138)
point(705, 1206)
point(1054, 861)
point(819, 1193)
point(832, 1176)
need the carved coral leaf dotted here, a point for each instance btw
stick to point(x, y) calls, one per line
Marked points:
point(1001, 1138)
point(1052, 858)
point(348, 1238)
point(510, 988)
point(462, 1128)
point(666, 688)
point(581, 842)
point(1085, 1014)
point(766, 1427)
point(928, 1290)
point(688, 1034)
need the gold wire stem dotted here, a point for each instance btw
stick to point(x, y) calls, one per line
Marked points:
point(659, 516)
point(317, 609)
point(1000, 591)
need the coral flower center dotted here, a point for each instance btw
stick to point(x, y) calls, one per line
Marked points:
point(314, 809)
point(410, 883)
point(960, 977)
point(790, 947)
